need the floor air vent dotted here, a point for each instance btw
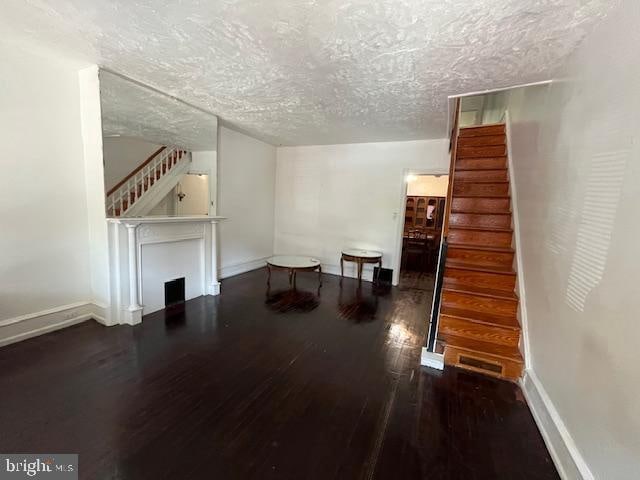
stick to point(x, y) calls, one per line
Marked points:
point(480, 364)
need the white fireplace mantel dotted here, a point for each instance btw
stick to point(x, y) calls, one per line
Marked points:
point(126, 257)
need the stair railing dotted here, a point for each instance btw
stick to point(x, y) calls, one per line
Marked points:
point(435, 307)
point(131, 188)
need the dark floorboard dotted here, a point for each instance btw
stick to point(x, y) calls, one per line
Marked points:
point(284, 385)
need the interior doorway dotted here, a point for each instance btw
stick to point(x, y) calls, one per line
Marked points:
point(424, 211)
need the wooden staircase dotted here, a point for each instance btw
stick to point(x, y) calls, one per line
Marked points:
point(478, 327)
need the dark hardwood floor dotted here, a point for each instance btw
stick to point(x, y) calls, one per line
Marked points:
point(284, 385)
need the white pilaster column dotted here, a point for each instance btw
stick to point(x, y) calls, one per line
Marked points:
point(214, 286)
point(134, 310)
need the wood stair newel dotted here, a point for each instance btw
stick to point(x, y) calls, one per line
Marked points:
point(478, 326)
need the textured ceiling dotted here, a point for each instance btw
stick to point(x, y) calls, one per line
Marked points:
point(130, 110)
point(316, 71)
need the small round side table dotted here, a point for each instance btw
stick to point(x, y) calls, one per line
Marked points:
point(360, 257)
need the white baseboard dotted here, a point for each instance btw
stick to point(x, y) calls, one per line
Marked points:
point(350, 270)
point(431, 359)
point(564, 452)
point(242, 267)
point(31, 325)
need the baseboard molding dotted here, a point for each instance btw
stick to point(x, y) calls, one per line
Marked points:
point(350, 270)
point(242, 267)
point(564, 452)
point(31, 325)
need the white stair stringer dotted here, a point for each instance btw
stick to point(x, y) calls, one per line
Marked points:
point(160, 189)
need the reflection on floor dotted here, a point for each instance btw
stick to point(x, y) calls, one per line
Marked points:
point(229, 387)
point(417, 280)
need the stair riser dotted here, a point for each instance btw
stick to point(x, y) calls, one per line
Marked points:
point(484, 151)
point(479, 303)
point(486, 163)
point(479, 362)
point(482, 141)
point(479, 220)
point(482, 131)
point(481, 205)
point(479, 237)
point(480, 189)
point(480, 257)
point(482, 176)
point(484, 333)
point(498, 281)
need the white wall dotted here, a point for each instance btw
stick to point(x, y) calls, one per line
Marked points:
point(195, 189)
point(428, 186)
point(122, 155)
point(246, 183)
point(575, 150)
point(330, 197)
point(44, 234)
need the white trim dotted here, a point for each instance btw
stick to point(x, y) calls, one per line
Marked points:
point(519, 267)
point(38, 323)
point(400, 218)
point(564, 452)
point(431, 359)
point(501, 89)
point(242, 267)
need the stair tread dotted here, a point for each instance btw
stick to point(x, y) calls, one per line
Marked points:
point(472, 246)
point(467, 182)
point(489, 319)
point(453, 286)
point(468, 212)
point(484, 229)
point(480, 195)
point(485, 170)
point(488, 269)
point(484, 125)
point(486, 348)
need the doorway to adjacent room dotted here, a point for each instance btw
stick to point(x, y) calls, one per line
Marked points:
point(424, 208)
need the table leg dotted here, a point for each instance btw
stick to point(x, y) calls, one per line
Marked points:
point(359, 272)
point(290, 277)
point(295, 275)
point(268, 275)
point(341, 268)
point(379, 268)
point(320, 275)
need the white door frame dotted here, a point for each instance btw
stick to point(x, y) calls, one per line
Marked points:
point(402, 206)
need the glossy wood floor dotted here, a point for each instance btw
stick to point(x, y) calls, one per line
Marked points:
point(279, 386)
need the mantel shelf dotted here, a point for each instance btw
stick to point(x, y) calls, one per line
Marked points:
point(166, 219)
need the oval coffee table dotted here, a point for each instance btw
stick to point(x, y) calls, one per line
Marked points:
point(360, 257)
point(294, 264)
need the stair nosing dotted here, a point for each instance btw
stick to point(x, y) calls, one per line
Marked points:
point(484, 229)
point(462, 289)
point(466, 195)
point(464, 212)
point(486, 125)
point(476, 268)
point(471, 246)
point(482, 322)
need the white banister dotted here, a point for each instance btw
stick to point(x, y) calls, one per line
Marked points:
point(135, 187)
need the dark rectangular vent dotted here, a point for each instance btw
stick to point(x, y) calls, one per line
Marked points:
point(174, 292)
point(480, 364)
